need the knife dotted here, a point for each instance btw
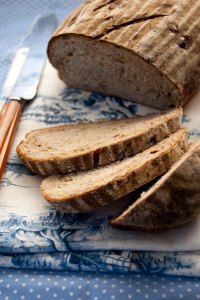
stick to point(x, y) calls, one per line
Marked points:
point(23, 80)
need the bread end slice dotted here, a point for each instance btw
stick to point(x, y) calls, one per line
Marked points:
point(174, 200)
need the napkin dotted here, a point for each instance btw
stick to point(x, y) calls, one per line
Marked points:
point(32, 233)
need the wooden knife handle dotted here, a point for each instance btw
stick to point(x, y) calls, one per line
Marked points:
point(3, 110)
point(9, 111)
point(8, 123)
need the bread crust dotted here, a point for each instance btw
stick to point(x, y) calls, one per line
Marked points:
point(173, 201)
point(104, 155)
point(163, 33)
point(120, 186)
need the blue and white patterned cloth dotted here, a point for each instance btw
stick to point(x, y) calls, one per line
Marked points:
point(32, 233)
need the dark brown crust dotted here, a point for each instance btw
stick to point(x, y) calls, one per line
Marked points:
point(104, 155)
point(173, 201)
point(150, 229)
point(122, 186)
point(165, 35)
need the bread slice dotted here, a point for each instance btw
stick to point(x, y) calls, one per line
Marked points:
point(85, 191)
point(172, 201)
point(143, 51)
point(83, 146)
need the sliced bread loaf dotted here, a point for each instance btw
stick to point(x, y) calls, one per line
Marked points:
point(85, 191)
point(83, 146)
point(143, 51)
point(172, 201)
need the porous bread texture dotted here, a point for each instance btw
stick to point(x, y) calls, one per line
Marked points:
point(98, 66)
point(144, 51)
point(172, 201)
point(83, 146)
point(86, 191)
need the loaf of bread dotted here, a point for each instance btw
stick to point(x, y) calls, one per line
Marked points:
point(83, 146)
point(172, 201)
point(144, 51)
point(88, 190)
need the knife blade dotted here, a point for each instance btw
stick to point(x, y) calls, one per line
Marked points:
point(23, 80)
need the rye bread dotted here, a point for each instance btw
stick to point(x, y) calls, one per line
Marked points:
point(86, 191)
point(83, 146)
point(172, 201)
point(143, 51)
